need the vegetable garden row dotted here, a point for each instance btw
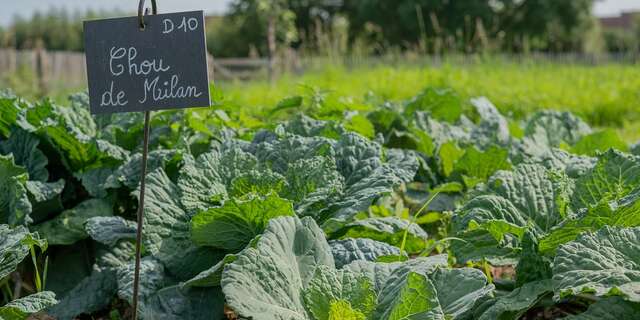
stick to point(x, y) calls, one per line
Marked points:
point(431, 208)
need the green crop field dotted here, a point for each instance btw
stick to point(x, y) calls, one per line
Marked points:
point(379, 193)
point(604, 95)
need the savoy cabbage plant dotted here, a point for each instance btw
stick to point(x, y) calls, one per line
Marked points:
point(438, 207)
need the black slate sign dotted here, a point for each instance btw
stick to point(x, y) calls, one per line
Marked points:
point(163, 66)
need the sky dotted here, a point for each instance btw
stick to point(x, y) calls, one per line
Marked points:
point(25, 8)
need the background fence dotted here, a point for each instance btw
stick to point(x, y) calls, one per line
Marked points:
point(56, 69)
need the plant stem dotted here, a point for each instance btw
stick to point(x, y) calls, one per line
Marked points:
point(37, 281)
point(413, 219)
point(44, 273)
point(486, 267)
point(7, 289)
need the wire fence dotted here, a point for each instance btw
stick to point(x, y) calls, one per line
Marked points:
point(68, 69)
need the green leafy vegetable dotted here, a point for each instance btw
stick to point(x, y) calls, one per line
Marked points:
point(390, 230)
point(68, 227)
point(233, 225)
point(601, 263)
point(21, 308)
point(267, 281)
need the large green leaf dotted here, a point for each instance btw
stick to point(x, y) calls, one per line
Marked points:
point(518, 301)
point(233, 225)
point(329, 287)
point(529, 197)
point(442, 103)
point(95, 180)
point(423, 288)
point(212, 276)
point(93, 293)
point(539, 194)
point(72, 133)
point(379, 273)
point(10, 107)
point(109, 230)
point(598, 142)
point(494, 246)
point(448, 154)
point(325, 178)
point(553, 128)
point(176, 303)
point(24, 147)
point(21, 308)
point(410, 296)
point(442, 132)
point(390, 230)
point(313, 184)
point(366, 176)
point(202, 183)
point(167, 229)
point(532, 265)
point(14, 201)
point(152, 279)
point(411, 293)
point(477, 166)
point(493, 127)
point(614, 176)
point(13, 247)
point(267, 281)
point(128, 174)
point(602, 263)
point(68, 227)
point(613, 308)
point(622, 213)
point(45, 198)
point(349, 250)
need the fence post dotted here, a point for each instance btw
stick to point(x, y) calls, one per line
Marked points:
point(41, 67)
point(210, 67)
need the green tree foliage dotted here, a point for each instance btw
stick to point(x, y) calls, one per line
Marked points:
point(516, 25)
point(434, 26)
point(623, 40)
point(377, 26)
point(244, 30)
point(57, 29)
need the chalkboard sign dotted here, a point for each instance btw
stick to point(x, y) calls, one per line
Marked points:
point(160, 66)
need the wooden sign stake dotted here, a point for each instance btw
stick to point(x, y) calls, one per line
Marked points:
point(143, 175)
point(160, 65)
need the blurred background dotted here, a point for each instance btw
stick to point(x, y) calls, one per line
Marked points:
point(576, 55)
point(243, 28)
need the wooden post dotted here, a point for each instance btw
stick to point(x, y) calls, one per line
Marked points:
point(271, 43)
point(143, 175)
point(42, 64)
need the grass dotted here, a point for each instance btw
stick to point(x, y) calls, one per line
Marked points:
point(604, 95)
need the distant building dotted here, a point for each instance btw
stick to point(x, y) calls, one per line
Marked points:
point(623, 21)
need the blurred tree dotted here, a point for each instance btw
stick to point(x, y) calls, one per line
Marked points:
point(262, 24)
point(260, 27)
point(518, 25)
point(550, 25)
point(623, 39)
point(295, 23)
point(58, 29)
